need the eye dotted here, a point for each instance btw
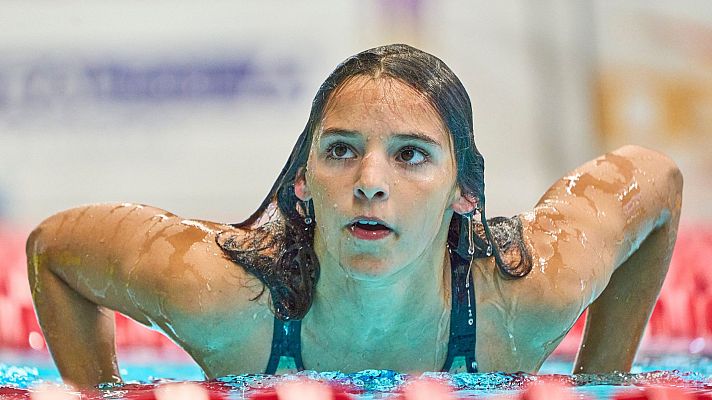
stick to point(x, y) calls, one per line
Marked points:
point(412, 156)
point(339, 151)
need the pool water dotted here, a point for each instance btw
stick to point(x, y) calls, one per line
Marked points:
point(20, 372)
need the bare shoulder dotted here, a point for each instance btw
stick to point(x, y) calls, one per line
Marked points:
point(591, 220)
point(617, 179)
point(585, 225)
point(146, 262)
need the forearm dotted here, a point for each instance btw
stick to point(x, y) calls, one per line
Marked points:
point(617, 319)
point(78, 332)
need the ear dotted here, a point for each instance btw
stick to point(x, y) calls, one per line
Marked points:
point(464, 203)
point(300, 186)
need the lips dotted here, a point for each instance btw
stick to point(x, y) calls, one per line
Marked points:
point(369, 228)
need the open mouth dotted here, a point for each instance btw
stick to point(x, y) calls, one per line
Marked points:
point(369, 229)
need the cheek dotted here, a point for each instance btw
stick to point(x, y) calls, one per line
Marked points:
point(325, 189)
point(420, 195)
point(330, 195)
point(422, 209)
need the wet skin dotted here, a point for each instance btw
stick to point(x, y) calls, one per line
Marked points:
point(601, 236)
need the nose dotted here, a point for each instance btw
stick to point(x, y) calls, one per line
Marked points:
point(372, 183)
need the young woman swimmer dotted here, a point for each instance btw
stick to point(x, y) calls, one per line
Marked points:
point(371, 250)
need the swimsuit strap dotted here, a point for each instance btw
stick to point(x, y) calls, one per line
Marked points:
point(286, 337)
point(286, 351)
point(463, 337)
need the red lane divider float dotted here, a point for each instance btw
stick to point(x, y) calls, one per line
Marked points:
point(417, 389)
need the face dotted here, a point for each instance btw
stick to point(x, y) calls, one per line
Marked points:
point(382, 176)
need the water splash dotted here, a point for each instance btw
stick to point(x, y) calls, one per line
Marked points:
point(386, 381)
point(372, 382)
point(18, 377)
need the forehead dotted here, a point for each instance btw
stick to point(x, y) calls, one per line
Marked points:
point(381, 105)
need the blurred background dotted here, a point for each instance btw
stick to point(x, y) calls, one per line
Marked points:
point(193, 107)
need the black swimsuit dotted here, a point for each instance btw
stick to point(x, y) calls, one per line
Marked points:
point(286, 338)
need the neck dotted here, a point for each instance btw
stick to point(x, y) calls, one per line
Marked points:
point(412, 303)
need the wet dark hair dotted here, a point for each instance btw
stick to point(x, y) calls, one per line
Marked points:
point(275, 243)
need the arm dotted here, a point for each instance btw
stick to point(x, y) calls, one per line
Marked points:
point(76, 269)
point(613, 331)
point(611, 227)
point(78, 332)
point(86, 262)
point(617, 318)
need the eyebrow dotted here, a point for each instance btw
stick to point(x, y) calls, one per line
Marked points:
point(404, 136)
